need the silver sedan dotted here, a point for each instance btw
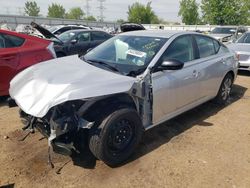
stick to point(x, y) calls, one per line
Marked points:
point(128, 84)
point(242, 48)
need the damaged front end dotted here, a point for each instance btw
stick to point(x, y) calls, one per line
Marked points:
point(60, 125)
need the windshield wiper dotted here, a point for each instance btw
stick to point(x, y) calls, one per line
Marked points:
point(136, 72)
point(103, 63)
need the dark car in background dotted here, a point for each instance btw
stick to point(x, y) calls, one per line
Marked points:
point(79, 41)
point(74, 41)
point(19, 51)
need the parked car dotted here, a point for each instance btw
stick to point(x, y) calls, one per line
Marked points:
point(19, 51)
point(242, 48)
point(127, 26)
point(128, 84)
point(74, 41)
point(59, 29)
point(79, 41)
point(228, 33)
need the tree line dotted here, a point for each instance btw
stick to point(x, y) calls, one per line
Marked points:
point(57, 11)
point(214, 12)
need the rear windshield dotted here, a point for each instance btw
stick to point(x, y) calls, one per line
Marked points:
point(244, 38)
point(224, 30)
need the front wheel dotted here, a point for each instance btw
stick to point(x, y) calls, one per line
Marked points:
point(116, 138)
point(225, 90)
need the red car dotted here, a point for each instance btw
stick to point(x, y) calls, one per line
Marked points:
point(19, 51)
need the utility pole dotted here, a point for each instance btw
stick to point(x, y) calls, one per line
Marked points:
point(101, 8)
point(87, 6)
point(7, 10)
point(20, 10)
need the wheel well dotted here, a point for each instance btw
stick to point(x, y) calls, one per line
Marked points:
point(231, 73)
point(60, 54)
point(109, 104)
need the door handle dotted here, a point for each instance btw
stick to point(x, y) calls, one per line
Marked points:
point(195, 73)
point(223, 61)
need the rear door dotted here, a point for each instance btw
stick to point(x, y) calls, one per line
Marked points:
point(97, 37)
point(213, 59)
point(9, 59)
point(176, 90)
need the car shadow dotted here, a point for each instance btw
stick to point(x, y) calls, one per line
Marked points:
point(3, 101)
point(162, 134)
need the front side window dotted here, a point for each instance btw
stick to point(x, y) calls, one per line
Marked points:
point(83, 37)
point(180, 49)
point(65, 37)
point(206, 46)
point(127, 53)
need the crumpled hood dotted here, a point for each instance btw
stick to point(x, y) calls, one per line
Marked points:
point(220, 36)
point(44, 85)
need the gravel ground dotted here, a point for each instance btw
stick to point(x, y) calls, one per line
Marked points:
point(208, 146)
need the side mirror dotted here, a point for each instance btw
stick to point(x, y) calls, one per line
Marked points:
point(171, 64)
point(74, 41)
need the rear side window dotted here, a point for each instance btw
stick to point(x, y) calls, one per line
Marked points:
point(99, 35)
point(10, 41)
point(206, 46)
point(180, 49)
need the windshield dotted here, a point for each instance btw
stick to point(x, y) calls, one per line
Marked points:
point(66, 36)
point(245, 38)
point(53, 28)
point(224, 30)
point(130, 55)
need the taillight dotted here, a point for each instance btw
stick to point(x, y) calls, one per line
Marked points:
point(51, 49)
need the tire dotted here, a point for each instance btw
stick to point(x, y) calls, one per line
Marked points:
point(116, 137)
point(225, 90)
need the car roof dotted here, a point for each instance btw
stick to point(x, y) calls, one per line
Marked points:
point(81, 30)
point(228, 26)
point(156, 33)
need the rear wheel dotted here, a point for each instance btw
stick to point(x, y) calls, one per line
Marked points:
point(225, 89)
point(117, 136)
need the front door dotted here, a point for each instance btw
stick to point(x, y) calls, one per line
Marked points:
point(81, 44)
point(178, 89)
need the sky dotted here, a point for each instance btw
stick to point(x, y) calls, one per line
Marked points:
point(114, 9)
